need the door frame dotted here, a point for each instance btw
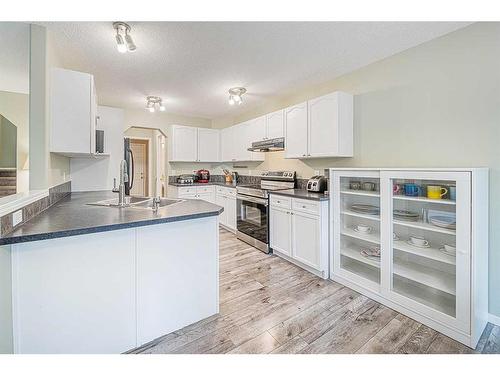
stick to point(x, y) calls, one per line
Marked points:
point(147, 142)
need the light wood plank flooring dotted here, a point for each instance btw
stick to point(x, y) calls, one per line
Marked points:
point(268, 305)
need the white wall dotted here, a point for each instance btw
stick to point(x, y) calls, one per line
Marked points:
point(89, 174)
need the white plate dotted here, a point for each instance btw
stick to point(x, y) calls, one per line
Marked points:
point(443, 250)
point(414, 244)
point(361, 232)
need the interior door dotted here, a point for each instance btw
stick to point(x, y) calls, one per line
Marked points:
point(140, 148)
point(427, 232)
point(296, 131)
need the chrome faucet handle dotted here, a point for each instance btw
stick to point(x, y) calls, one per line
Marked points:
point(156, 203)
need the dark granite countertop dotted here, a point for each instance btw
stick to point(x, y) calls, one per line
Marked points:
point(72, 216)
point(302, 194)
point(203, 184)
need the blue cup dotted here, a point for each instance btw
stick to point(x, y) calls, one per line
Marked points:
point(453, 192)
point(412, 190)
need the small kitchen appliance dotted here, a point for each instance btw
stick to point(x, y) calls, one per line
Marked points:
point(185, 179)
point(203, 176)
point(317, 184)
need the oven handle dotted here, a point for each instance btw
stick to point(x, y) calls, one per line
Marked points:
point(252, 199)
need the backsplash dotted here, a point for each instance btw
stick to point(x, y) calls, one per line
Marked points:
point(56, 193)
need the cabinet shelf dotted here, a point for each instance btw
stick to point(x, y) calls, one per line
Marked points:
point(364, 193)
point(355, 214)
point(424, 200)
point(430, 252)
point(373, 237)
point(424, 226)
point(423, 275)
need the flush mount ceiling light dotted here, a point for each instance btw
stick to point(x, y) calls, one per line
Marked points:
point(235, 95)
point(154, 103)
point(124, 41)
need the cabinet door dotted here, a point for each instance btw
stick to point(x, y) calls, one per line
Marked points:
point(357, 228)
point(220, 200)
point(230, 207)
point(208, 197)
point(227, 144)
point(296, 131)
point(184, 143)
point(323, 126)
point(242, 142)
point(208, 145)
point(255, 131)
point(427, 230)
point(70, 112)
point(275, 124)
point(280, 230)
point(306, 239)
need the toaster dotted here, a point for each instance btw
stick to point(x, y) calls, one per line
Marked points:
point(317, 184)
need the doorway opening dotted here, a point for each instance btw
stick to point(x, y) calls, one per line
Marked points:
point(140, 149)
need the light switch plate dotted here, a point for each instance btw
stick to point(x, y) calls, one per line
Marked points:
point(17, 217)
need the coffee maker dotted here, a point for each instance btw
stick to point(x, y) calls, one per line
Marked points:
point(203, 176)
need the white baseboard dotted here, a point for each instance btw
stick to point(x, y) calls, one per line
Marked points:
point(494, 319)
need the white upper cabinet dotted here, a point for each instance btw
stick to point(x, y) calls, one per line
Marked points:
point(330, 120)
point(73, 117)
point(321, 127)
point(208, 145)
point(257, 129)
point(296, 131)
point(183, 143)
point(275, 125)
point(227, 144)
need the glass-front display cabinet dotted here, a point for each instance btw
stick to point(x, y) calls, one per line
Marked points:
point(416, 240)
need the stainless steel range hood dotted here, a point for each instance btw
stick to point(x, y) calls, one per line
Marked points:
point(269, 145)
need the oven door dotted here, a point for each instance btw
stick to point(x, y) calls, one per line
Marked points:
point(252, 221)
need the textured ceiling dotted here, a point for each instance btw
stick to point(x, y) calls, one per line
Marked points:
point(193, 64)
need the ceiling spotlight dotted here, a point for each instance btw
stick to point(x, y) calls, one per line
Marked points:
point(153, 103)
point(124, 41)
point(235, 95)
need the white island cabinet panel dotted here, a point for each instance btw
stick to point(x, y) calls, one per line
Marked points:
point(75, 294)
point(177, 280)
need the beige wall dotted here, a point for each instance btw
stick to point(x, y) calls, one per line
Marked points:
point(435, 105)
point(15, 107)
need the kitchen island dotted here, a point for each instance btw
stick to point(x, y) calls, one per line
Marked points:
point(90, 279)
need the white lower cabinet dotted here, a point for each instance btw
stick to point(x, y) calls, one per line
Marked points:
point(417, 241)
point(226, 198)
point(206, 193)
point(298, 231)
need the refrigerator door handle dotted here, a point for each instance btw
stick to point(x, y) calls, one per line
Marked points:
point(132, 167)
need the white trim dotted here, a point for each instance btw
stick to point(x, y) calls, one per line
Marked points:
point(17, 201)
point(494, 319)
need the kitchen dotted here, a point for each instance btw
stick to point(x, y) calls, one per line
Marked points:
point(323, 219)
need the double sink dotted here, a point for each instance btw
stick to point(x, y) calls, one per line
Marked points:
point(136, 202)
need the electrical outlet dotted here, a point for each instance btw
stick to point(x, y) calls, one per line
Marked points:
point(17, 218)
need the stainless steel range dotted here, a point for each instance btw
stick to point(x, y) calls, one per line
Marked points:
point(252, 210)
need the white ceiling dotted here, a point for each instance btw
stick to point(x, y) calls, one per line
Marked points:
point(193, 64)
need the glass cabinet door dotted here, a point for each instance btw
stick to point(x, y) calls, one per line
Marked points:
point(357, 227)
point(429, 238)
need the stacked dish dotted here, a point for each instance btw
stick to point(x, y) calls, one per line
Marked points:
point(366, 209)
point(447, 222)
point(406, 215)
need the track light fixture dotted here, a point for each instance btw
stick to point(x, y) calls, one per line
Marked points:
point(154, 103)
point(235, 95)
point(124, 41)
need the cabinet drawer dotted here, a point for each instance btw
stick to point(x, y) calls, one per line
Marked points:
point(221, 190)
point(205, 189)
point(280, 201)
point(302, 205)
point(186, 190)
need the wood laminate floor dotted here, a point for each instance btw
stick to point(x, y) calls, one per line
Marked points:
point(268, 305)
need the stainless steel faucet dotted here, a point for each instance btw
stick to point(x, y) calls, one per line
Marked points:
point(123, 179)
